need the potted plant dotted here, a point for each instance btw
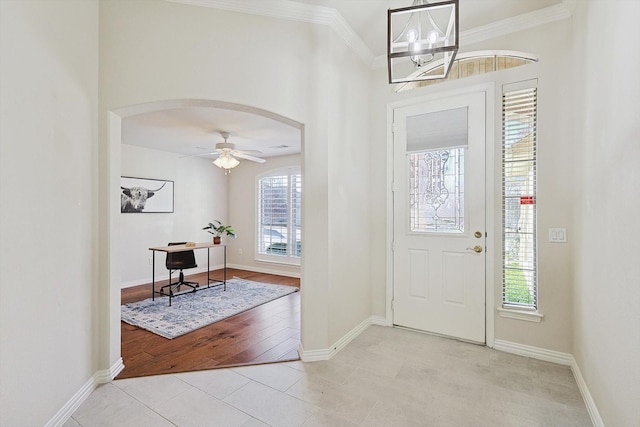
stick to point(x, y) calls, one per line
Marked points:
point(218, 230)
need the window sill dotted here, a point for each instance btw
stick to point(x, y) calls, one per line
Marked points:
point(527, 316)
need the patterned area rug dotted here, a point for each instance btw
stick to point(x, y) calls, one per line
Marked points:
point(191, 311)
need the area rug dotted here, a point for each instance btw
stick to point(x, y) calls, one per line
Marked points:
point(191, 311)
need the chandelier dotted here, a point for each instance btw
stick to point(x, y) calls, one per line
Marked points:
point(423, 33)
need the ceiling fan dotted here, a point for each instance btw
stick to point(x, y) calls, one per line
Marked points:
point(227, 154)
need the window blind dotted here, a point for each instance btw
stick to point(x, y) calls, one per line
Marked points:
point(279, 216)
point(519, 198)
point(296, 214)
point(438, 130)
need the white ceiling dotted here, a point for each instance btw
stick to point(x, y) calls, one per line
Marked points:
point(195, 130)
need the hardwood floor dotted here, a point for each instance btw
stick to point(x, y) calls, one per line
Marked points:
point(265, 334)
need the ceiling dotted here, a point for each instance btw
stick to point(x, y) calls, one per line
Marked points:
point(192, 131)
point(195, 130)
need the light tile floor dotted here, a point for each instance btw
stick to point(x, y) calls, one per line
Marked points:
point(385, 377)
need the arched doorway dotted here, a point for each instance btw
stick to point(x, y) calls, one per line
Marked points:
point(117, 119)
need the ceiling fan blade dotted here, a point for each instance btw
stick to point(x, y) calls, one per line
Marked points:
point(200, 155)
point(250, 152)
point(247, 157)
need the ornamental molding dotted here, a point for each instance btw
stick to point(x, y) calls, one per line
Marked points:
point(302, 12)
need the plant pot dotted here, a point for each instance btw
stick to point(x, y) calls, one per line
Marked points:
point(216, 240)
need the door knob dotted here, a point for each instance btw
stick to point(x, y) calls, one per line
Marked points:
point(477, 249)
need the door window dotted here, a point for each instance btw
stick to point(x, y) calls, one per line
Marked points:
point(436, 191)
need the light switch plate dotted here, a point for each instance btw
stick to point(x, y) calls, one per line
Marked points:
point(558, 235)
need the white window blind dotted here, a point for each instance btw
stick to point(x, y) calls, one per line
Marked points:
point(279, 217)
point(519, 198)
point(438, 130)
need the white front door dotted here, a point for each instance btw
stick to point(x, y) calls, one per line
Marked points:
point(439, 217)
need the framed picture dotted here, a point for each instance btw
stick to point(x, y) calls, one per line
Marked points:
point(142, 195)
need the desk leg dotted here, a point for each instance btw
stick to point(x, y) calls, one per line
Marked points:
point(224, 266)
point(153, 275)
point(208, 267)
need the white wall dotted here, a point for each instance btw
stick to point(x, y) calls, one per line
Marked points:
point(555, 185)
point(242, 214)
point(48, 220)
point(200, 196)
point(188, 52)
point(607, 235)
point(348, 231)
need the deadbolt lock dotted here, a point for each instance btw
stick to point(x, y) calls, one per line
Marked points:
point(478, 234)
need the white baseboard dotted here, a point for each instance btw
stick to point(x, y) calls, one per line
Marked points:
point(596, 419)
point(533, 352)
point(265, 270)
point(100, 377)
point(562, 359)
point(115, 369)
point(380, 321)
point(165, 275)
point(328, 353)
point(199, 270)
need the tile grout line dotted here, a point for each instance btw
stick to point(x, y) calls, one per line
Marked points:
point(148, 407)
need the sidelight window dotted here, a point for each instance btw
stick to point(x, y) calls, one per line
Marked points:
point(519, 196)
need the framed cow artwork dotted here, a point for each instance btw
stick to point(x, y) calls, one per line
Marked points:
point(143, 195)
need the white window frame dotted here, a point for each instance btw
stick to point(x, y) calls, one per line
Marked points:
point(291, 241)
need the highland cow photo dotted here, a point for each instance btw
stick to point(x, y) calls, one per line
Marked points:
point(142, 195)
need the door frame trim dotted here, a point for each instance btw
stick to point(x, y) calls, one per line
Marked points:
point(492, 254)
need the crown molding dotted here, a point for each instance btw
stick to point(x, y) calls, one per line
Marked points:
point(286, 9)
point(517, 23)
point(507, 26)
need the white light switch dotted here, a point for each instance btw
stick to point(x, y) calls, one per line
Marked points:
point(558, 235)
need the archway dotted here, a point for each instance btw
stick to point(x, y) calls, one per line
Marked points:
point(110, 217)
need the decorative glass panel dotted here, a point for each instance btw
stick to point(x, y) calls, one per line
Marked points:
point(436, 191)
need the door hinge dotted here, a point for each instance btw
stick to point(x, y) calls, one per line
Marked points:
point(393, 245)
point(392, 304)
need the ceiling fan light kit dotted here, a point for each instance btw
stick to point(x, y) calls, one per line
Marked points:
point(227, 154)
point(420, 35)
point(226, 161)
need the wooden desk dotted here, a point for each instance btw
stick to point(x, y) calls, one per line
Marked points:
point(181, 248)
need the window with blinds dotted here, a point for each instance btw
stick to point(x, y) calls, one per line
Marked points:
point(279, 217)
point(519, 139)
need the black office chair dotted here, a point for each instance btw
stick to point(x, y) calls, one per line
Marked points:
point(179, 261)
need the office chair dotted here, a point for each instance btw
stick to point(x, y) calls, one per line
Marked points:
point(179, 261)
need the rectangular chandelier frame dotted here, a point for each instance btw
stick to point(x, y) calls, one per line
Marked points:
point(422, 41)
